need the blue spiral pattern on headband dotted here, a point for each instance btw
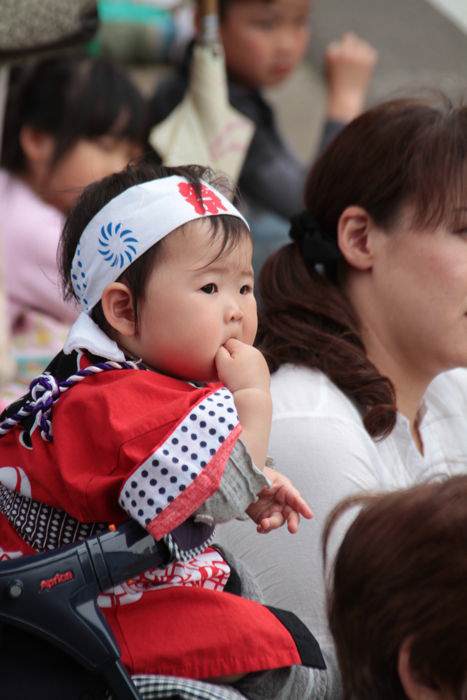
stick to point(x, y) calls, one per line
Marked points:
point(79, 278)
point(117, 245)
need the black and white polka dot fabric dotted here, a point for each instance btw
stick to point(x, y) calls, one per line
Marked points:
point(182, 458)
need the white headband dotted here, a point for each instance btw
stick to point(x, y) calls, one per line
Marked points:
point(128, 225)
point(125, 228)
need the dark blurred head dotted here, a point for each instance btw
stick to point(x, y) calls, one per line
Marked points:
point(71, 120)
point(397, 594)
point(70, 98)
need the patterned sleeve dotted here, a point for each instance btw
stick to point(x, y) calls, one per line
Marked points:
point(171, 482)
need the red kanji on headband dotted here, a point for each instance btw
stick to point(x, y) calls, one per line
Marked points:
point(208, 202)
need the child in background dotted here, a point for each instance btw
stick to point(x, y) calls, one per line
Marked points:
point(160, 362)
point(69, 120)
point(264, 41)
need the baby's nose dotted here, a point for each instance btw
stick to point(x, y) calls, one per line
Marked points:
point(234, 313)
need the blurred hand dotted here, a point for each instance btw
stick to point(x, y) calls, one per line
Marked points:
point(280, 503)
point(349, 63)
point(241, 366)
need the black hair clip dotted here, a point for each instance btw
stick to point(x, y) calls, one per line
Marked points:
point(316, 247)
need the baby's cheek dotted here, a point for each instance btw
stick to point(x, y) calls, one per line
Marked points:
point(251, 325)
point(250, 334)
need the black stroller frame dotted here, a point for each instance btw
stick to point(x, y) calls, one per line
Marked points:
point(54, 595)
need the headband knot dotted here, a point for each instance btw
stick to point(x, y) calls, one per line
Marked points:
point(315, 245)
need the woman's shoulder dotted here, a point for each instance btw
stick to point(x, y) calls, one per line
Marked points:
point(447, 393)
point(301, 391)
point(318, 438)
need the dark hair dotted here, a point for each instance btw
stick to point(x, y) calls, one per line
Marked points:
point(224, 5)
point(99, 193)
point(400, 574)
point(70, 97)
point(400, 152)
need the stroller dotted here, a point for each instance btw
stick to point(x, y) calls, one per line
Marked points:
point(53, 639)
point(53, 595)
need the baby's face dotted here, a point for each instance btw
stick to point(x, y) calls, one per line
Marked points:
point(195, 301)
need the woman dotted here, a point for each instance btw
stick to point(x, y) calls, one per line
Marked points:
point(365, 323)
point(398, 596)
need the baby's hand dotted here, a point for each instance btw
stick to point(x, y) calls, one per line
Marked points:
point(349, 63)
point(279, 503)
point(241, 366)
point(243, 370)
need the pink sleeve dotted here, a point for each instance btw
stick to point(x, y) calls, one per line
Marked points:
point(31, 231)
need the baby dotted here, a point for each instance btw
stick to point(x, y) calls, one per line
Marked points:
point(158, 409)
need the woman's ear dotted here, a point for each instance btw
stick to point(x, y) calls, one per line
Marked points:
point(413, 688)
point(353, 236)
point(117, 305)
point(37, 145)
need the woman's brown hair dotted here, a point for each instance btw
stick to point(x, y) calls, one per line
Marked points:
point(400, 152)
point(400, 574)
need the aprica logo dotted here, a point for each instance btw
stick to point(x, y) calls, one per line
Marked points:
point(48, 583)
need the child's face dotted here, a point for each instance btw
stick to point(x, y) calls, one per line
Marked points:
point(264, 41)
point(88, 160)
point(194, 303)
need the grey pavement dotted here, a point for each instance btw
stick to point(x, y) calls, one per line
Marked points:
point(418, 47)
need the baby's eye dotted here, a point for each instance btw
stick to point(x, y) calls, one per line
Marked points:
point(246, 289)
point(209, 288)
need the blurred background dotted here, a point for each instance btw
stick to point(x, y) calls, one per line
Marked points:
point(420, 42)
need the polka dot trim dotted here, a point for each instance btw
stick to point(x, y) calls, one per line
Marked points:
point(176, 464)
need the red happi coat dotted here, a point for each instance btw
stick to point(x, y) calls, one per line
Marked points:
point(138, 444)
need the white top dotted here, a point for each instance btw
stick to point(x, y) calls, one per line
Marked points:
point(318, 440)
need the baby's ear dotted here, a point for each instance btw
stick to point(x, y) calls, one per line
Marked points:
point(117, 305)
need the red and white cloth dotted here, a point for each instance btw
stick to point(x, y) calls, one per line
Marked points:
point(137, 443)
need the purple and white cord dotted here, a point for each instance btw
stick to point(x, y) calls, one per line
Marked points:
point(45, 391)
